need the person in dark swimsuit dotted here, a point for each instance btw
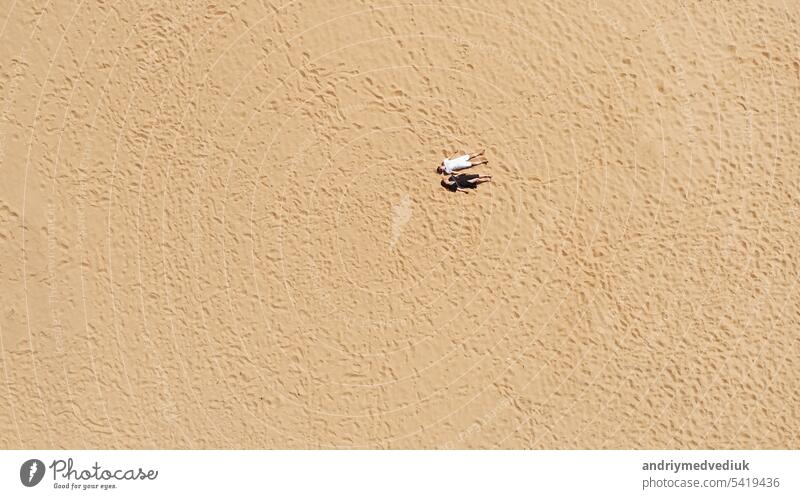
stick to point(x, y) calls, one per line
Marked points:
point(464, 181)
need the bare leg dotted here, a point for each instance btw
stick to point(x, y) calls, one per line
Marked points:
point(482, 162)
point(477, 154)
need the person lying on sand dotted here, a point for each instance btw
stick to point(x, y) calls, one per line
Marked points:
point(464, 181)
point(450, 165)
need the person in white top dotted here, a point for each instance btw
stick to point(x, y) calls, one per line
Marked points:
point(450, 165)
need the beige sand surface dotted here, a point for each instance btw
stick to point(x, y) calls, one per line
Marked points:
point(220, 224)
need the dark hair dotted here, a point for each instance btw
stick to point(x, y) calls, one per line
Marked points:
point(450, 187)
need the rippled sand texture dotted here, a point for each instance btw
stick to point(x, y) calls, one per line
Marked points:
point(220, 225)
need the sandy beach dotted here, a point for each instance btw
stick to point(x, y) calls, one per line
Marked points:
point(221, 225)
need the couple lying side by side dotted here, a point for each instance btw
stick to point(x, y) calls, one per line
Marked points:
point(463, 181)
